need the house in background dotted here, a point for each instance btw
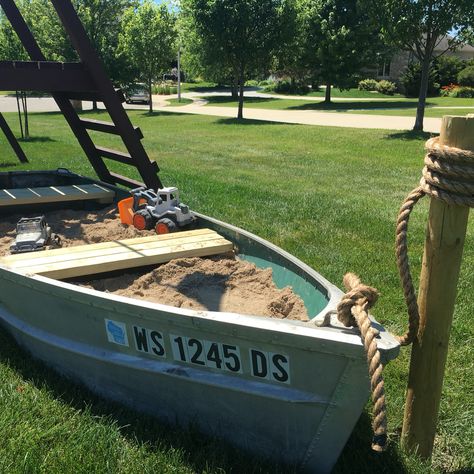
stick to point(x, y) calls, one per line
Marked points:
point(393, 69)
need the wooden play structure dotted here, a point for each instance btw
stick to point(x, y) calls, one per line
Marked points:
point(84, 80)
point(50, 194)
point(20, 154)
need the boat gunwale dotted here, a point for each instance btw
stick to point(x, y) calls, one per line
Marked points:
point(121, 305)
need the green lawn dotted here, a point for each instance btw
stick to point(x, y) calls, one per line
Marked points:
point(389, 106)
point(201, 86)
point(329, 196)
point(176, 102)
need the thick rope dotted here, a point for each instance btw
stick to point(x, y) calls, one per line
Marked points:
point(353, 311)
point(447, 175)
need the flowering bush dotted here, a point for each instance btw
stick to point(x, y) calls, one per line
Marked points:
point(368, 85)
point(446, 91)
point(454, 90)
point(386, 87)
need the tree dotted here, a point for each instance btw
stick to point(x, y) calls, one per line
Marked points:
point(195, 59)
point(237, 37)
point(147, 40)
point(10, 46)
point(103, 20)
point(418, 26)
point(339, 41)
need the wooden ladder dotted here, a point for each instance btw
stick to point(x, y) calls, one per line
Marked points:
point(86, 80)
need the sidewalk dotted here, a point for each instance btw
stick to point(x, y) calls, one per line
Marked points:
point(307, 117)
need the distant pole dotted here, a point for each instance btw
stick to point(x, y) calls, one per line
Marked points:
point(179, 73)
point(19, 114)
point(442, 258)
point(25, 113)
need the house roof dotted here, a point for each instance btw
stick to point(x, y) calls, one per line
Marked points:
point(443, 45)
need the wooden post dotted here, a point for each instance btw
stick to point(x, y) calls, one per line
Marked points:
point(442, 257)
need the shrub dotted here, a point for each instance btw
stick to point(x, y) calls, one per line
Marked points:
point(270, 87)
point(411, 80)
point(447, 69)
point(466, 77)
point(367, 85)
point(287, 87)
point(463, 91)
point(165, 89)
point(251, 83)
point(386, 87)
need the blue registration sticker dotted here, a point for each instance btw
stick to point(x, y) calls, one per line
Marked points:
point(116, 332)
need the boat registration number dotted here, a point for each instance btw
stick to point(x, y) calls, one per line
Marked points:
point(203, 353)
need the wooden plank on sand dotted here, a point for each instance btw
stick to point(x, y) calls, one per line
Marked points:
point(118, 255)
point(80, 192)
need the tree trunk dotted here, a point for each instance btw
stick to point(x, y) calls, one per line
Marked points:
point(150, 108)
point(241, 96)
point(327, 98)
point(420, 109)
point(234, 90)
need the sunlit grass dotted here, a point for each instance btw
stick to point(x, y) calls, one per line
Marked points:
point(387, 106)
point(177, 102)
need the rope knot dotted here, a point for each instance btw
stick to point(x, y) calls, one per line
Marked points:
point(448, 173)
point(353, 311)
point(357, 294)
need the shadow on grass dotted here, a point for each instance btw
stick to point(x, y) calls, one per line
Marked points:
point(357, 105)
point(9, 164)
point(159, 113)
point(358, 454)
point(232, 101)
point(217, 89)
point(244, 121)
point(36, 140)
point(207, 89)
point(409, 135)
point(201, 453)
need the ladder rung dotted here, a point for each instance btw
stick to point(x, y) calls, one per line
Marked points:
point(106, 127)
point(115, 155)
point(129, 182)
